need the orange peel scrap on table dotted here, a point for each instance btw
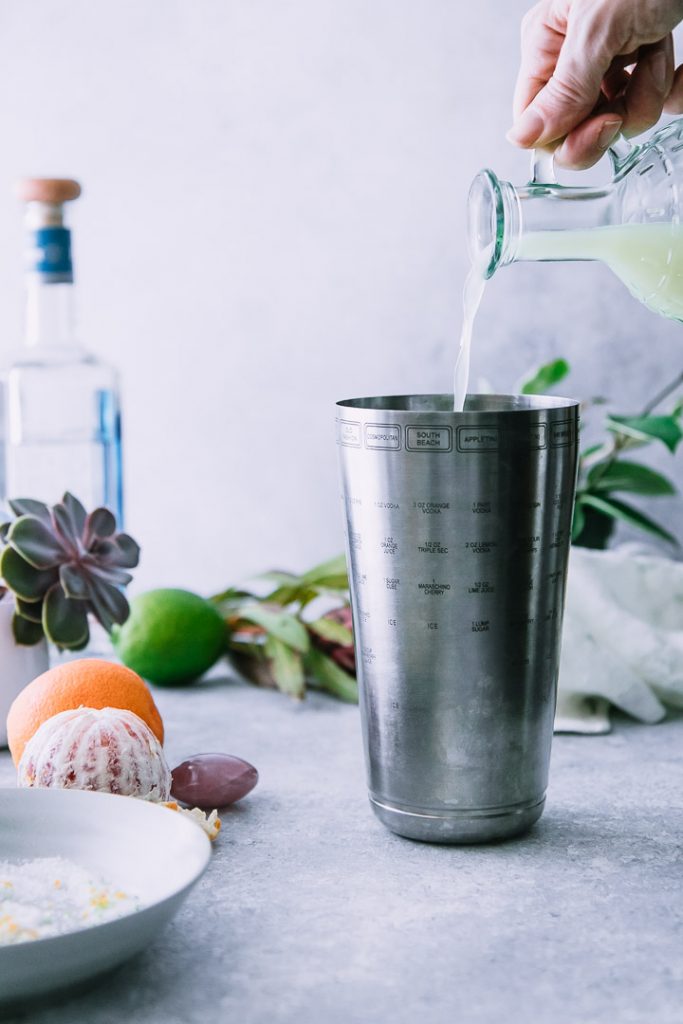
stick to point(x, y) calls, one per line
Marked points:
point(211, 823)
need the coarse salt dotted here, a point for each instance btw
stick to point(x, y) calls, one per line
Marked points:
point(52, 895)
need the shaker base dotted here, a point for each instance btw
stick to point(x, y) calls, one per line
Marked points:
point(466, 826)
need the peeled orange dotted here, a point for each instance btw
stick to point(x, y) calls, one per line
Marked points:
point(110, 750)
point(87, 682)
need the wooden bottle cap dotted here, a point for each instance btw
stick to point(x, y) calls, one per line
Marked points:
point(48, 190)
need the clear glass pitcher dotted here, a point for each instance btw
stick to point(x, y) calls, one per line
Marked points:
point(633, 224)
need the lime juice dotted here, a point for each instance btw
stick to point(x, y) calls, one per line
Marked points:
point(648, 258)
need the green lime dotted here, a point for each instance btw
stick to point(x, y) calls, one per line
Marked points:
point(171, 636)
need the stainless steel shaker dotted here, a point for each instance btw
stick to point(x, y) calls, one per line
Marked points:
point(458, 529)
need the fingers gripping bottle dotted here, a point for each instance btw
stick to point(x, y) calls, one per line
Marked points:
point(634, 224)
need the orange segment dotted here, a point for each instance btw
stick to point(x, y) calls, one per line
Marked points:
point(87, 682)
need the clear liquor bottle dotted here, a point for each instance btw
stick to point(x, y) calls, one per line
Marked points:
point(62, 412)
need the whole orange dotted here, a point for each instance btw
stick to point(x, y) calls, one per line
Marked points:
point(87, 682)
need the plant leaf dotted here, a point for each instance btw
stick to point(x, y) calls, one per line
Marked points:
point(108, 604)
point(26, 633)
point(648, 428)
point(31, 610)
point(327, 675)
point(29, 507)
point(280, 624)
point(276, 576)
point(120, 550)
point(108, 573)
point(36, 544)
point(591, 450)
point(335, 632)
point(229, 602)
point(100, 523)
point(26, 582)
point(76, 511)
point(333, 585)
point(65, 621)
point(66, 528)
point(627, 514)
point(622, 475)
point(323, 574)
point(545, 377)
point(231, 596)
point(285, 595)
point(83, 644)
point(286, 666)
point(335, 588)
point(579, 520)
point(73, 582)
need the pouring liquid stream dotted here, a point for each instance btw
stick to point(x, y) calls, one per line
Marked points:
point(475, 282)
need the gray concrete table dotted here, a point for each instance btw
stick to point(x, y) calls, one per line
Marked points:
point(312, 913)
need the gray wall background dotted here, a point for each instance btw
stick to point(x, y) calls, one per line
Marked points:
point(274, 218)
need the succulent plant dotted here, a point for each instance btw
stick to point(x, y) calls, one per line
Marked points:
point(61, 565)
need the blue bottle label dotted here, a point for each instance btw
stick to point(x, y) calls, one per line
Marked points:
point(49, 254)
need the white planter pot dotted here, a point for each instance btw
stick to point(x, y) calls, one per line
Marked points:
point(18, 665)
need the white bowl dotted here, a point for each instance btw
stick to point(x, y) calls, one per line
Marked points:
point(138, 847)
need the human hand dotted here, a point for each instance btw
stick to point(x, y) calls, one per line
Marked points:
point(574, 93)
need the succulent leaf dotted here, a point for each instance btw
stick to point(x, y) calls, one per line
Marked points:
point(109, 604)
point(65, 621)
point(26, 633)
point(74, 583)
point(31, 610)
point(129, 551)
point(76, 511)
point(120, 550)
point(35, 542)
point(28, 583)
point(30, 507)
point(108, 573)
point(100, 523)
point(66, 529)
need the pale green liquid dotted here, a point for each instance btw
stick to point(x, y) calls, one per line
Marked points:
point(471, 300)
point(647, 257)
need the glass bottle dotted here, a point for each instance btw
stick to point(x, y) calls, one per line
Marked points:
point(62, 418)
point(633, 223)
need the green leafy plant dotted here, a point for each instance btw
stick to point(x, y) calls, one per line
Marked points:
point(62, 565)
point(605, 470)
point(277, 638)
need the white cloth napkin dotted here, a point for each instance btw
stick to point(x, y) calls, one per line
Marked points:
point(622, 638)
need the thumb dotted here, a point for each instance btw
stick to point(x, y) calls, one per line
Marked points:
point(569, 95)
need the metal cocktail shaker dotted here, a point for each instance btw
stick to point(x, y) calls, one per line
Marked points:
point(458, 534)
